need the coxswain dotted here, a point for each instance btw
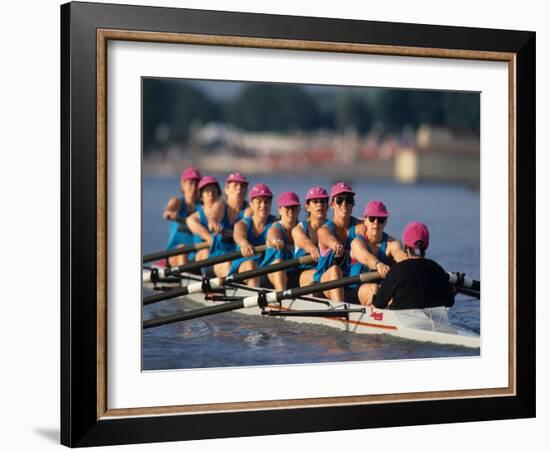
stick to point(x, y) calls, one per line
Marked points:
point(304, 233)
point(205, 222)
point(280, 241)
point(177, 210)
point(374, 251)
point(252, 231)
point(335, 238)
point(416, 282)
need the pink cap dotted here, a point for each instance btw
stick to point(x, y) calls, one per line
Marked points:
point(288, 199)
point(375, 209)
point(260, 190)
point(208, 179)
point(316, 192)
point(341, 188)
point(236, 177)
point(190, 173)
point(416, 234)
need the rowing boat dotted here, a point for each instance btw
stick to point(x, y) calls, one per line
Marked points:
point(424, 325)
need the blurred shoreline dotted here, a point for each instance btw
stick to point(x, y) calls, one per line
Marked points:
point(430, 154)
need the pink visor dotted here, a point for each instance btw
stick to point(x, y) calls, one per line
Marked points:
point(316, 192)
point(416, 234)
point(288, 199)
point(341, 188)
point(208, 179)
point(260, 190)
point(375, 209)
point(190, 173)
point(236, 177)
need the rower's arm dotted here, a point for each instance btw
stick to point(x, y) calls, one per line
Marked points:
point(301, 239)
point(172, 208)
point(216, 212)
point(326, 238)
point(193, 223)
point(396, 251)
point(273, 237)
point(239, 234)
point(361, 253)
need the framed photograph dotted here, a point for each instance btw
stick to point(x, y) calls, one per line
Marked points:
point(347, 185)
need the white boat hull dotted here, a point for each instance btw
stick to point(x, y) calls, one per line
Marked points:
point(425, 325)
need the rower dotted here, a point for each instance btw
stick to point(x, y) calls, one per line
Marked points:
point(252, 231)
point(206, 220)
point(416, 282)
point(335, 238)
point(177, 210)
point(374, 251)
point(279, 238)
point(235, 208)
point(305, 233)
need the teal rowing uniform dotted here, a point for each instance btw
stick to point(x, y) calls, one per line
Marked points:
point(358, 268)
point(299, 252)
point(271, 254)
point(224, 244)
point(254, 240)
point(179, 233)
point(327, 258)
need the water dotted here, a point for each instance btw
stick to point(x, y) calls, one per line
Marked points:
point(450, 211)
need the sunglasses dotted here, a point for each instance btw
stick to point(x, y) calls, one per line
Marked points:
point(347, 199)
point(294, 208)
point(315, 201)
point(372, 219)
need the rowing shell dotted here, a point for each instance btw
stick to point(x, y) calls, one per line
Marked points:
point(425, 325)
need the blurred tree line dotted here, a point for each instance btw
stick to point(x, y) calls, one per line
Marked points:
point(172, 107)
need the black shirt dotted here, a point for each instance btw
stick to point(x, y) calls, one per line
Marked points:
point(415, 283)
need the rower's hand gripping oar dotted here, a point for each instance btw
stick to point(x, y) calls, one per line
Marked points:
point(203, 286)
point(262, 300)
point(166, 272)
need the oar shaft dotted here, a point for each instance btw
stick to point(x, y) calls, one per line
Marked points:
point(225, 307)
point(469, 292)
point(155, 298)
point(174, 252)
point(283, 265)
point(328, 285)
point(213, 261)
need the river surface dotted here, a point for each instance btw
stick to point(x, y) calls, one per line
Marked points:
point(231, 339)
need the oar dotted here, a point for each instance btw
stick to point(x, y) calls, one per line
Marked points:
point(182, 250)
point(235, 278)
point(465, 284)
point(262, 300)
point(190, 266)
point(469, 292)
point(175, 251)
